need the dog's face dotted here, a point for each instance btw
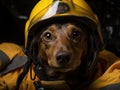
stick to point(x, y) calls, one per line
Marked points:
point(62, 46)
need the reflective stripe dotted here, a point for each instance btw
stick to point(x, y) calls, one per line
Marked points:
point(52, 11)
point(16, 63)
point(4, 60)
point(111, 87)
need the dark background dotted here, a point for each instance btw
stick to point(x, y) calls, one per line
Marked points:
point(14, 14)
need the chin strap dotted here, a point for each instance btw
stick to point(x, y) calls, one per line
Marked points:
point(38, 85)
point(40, 72)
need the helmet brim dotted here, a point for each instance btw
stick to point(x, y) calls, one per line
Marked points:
point(63, 19)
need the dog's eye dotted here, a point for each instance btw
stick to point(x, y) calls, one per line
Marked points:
point(75, 34)
point(47, 36)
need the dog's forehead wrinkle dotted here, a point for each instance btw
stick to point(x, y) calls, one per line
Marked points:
point(63, 33)
point(55, 26)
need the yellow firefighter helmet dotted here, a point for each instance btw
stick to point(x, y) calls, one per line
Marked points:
point(48, 11)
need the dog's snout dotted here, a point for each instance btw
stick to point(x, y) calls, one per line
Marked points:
point(63, 57)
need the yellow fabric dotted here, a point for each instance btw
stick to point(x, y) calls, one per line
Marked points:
point(108, 75)
point(112, 71)
point(27, 83)
point(11, 49)
point(8, 81)
point(111, 76)
point(3, 85)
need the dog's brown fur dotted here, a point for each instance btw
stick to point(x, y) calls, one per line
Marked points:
point(62, 46)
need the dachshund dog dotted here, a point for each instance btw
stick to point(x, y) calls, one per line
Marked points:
point(61, 48)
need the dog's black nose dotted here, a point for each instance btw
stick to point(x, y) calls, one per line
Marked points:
point(63, 57)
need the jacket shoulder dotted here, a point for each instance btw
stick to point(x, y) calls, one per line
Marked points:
point(12, 56)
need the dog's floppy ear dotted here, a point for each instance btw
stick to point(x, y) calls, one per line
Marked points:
point(89, 60)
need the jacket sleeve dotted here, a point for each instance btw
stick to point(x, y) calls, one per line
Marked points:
point(7, 52)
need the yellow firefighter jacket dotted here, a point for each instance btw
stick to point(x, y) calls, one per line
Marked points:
point(108, 75)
